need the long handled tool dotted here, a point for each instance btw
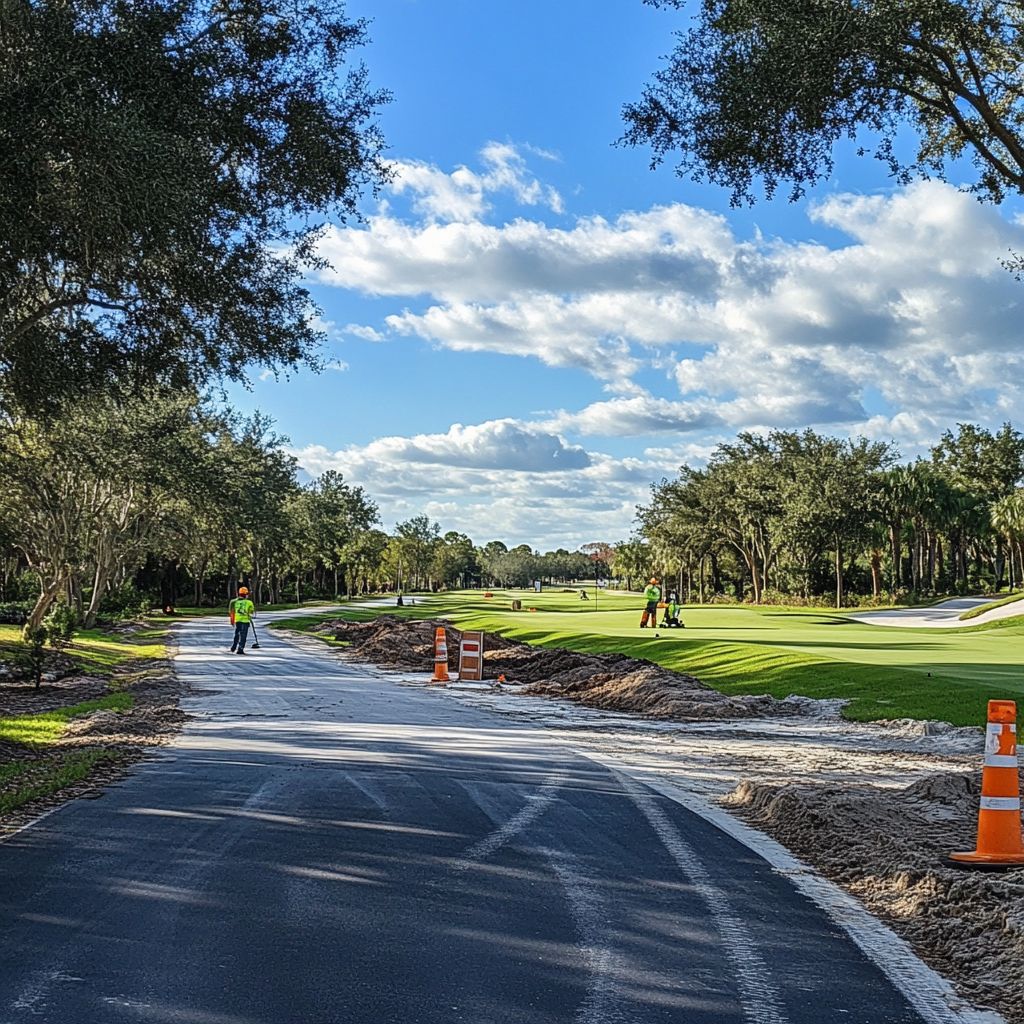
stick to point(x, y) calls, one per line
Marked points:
point(255, 638)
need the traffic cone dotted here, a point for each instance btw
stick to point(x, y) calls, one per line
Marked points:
point(1000, 843)
point(440, 656)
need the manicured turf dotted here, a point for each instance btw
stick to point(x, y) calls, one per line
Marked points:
point(884, 672)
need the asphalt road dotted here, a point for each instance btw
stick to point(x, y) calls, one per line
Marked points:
point(322, 845)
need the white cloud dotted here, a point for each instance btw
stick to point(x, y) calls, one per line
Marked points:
point(500, 479)
point(364, 332)
point(782, 334)
point(460, 196)
point(337, 364)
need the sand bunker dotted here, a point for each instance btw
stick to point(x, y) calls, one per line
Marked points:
point(888, 848)
point(611, 682)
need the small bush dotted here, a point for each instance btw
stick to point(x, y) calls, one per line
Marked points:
point(33, 654)
point(61, 624)
point(14, 613)
point(128, 602)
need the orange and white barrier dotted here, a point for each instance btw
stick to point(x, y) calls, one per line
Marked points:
point(1000, 842)
point(440, 656)
point(471, 655)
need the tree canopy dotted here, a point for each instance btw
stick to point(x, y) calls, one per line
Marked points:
point(162, 168)
point(764, 89)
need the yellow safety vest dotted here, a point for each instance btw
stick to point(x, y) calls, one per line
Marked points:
point(243, 609)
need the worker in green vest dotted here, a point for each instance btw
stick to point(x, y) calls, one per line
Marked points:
point(242, 612)
point(652, 595)
point(672, 610)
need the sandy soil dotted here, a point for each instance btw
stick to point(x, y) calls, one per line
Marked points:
point(888, 848)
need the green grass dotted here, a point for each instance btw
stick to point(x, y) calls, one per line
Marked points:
point(23, 782)
point(43, 728)
point(884, 672)
point(973, 613)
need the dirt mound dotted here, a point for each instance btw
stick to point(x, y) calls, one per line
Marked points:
point(888, 848)
point(25, 699)
point(140, 727)
point(611, 682)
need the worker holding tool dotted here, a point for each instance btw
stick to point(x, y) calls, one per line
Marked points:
point(242, 613)
point(652, 595)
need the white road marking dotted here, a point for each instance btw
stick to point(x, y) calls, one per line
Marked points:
point(603, 962)
point(758, 996)
point(537, 804)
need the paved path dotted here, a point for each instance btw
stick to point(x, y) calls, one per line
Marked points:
point(322, 845)
point(945, 615)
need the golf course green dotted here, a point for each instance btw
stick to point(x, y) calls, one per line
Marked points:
point(884, 672)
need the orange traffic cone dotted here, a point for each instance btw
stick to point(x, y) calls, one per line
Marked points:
point(999, 832)
point(440, 656)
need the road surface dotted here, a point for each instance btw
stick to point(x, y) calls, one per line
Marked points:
point(323, 845)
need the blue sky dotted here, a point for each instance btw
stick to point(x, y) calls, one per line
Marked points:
point(532, 325)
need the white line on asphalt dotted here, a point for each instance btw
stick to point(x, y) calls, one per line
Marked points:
point(602, 961)
point(931, 995)
point(758, 996)
point(537, 805)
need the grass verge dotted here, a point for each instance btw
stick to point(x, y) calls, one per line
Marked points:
point(973, 613)
point(23, 782)
point(44, 728)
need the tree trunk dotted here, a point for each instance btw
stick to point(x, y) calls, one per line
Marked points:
point(99, 584)
point(876, 573)
point(839, 573)
point(168, 591)
point(47, 595)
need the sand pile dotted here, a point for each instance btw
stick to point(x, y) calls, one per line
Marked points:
point(611, 682)
point(888, 848)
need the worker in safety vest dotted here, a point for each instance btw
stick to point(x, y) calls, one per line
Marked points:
point(672, 610)
point(652, 595)
point(242, 611)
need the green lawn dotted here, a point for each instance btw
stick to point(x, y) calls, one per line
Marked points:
point(884, 672)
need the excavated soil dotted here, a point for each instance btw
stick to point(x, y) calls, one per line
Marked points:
point(888, 848)
point(610, 682)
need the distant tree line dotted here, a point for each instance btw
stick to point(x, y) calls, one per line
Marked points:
point(799, 515)
point(124, 503)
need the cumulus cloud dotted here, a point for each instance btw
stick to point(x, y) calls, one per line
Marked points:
point(364, 332)
point(776, 333)
point(500, 478)
point(461, 195)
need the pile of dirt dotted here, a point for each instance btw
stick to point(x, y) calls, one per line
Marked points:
point(610, 682)
point(888, 848)
point(24, 699)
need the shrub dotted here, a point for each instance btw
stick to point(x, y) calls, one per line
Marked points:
point(14, 613)
point(61, 624)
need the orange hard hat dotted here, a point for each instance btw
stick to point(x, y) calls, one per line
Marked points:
point(243, 590)
point(654, 579)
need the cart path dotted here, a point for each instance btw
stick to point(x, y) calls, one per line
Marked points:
point(323, 845)
point(944, 615)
